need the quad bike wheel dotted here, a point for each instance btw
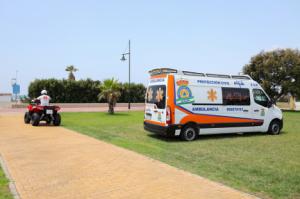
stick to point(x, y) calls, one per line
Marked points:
point(35, 119)
point(27, 118)
point(57, 119)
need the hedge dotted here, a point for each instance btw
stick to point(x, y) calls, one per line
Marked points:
point(81, 91)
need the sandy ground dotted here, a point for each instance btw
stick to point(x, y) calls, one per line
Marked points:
point(54, 162)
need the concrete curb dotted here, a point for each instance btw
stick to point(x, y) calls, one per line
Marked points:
point(12, 186)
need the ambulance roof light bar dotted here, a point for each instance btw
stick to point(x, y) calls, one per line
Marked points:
point(193, 73)
point(159, 71)
point(217, 75)
point(240, 77)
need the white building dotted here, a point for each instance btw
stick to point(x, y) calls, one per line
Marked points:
point(5, 99)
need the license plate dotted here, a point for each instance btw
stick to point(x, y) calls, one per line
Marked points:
point(49, 111)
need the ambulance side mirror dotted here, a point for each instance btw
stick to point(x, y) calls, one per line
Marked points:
point(270, 103)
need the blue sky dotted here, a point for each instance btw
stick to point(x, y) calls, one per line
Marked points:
point(40, 38)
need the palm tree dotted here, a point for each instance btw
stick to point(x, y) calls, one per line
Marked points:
point(71, 69)
point(110, 90)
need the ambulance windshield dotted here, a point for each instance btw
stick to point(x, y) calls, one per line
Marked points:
point(156, 95)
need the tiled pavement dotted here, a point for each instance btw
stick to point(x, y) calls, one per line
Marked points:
point(53, 162)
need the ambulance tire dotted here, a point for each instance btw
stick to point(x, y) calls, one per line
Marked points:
point(274, 128)
point(189, 132)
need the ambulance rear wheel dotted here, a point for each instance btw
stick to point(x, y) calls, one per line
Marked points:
point(189, 133)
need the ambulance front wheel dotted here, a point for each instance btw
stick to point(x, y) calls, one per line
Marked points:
point(189, 133)
point(274, 127)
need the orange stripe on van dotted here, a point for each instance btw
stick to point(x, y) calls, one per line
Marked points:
point(155, 122)
point(158, 76)
point(211, 119)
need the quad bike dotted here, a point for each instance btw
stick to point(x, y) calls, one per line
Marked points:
point(37, 113)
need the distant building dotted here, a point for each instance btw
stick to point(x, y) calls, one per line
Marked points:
point(288, 102)
point(5, 99)
point(297, 106)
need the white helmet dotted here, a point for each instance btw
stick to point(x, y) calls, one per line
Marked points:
point(44, 92)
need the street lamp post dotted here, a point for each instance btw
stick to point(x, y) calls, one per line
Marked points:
point(124, 59)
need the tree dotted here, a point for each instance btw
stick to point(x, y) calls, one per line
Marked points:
point(71, 69)
point(278, 71)
point(110, 90)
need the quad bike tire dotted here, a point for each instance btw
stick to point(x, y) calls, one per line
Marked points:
point(57, 120)
point(35, 119)
point(27, 118)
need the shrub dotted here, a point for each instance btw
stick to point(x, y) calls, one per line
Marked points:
point(66, 91)
point(137, 93)
point(82, 91)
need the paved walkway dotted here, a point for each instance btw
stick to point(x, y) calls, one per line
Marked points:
point(53, 162)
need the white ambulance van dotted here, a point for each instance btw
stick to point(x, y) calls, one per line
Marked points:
point(188, 104)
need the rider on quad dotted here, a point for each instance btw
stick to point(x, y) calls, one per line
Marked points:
point(44, 98)
point(40, 110)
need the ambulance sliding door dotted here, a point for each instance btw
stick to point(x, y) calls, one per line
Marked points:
point(236, 102)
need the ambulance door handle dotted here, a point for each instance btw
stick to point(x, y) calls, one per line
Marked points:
point(256, 110)
point(155, 108)
point(245, 110)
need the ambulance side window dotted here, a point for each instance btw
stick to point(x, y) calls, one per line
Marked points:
point(236, 96)
point(260, 97)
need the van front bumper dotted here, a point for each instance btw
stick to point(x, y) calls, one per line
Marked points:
point(161, 130)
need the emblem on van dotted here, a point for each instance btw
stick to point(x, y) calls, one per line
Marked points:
point(159, 95)
point(184, 93)
point(149, 94)
point(212, 95)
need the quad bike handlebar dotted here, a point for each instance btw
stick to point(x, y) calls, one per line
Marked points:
point(35, 102)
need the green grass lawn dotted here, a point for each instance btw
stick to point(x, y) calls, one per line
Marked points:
point(265, 165)
point(4, 190)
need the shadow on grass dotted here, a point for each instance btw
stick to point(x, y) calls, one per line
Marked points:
point(232, 135)
point(117, 114)
point(210, 137)
point(165, 138)
point(283, 132)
